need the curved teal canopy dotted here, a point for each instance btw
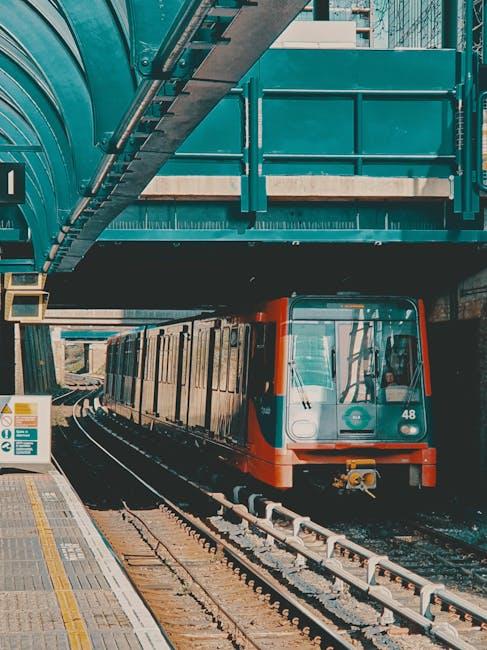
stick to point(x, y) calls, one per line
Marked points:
point(95, 96)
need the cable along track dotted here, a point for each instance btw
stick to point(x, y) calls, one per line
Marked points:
point(394, 591)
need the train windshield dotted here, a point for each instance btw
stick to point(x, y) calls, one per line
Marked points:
point(354, 372)
point(312, 372)
point(399, 371)
point(378, 361)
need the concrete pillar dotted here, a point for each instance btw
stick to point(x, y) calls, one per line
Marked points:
point(449, 27)
point(7, 357)
point(96, 356)
point(86, 355)
point(59, 353)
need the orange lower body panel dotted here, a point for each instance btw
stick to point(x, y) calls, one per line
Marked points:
point(279, 472)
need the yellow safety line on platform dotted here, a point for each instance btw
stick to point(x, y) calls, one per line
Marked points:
point(73, 620)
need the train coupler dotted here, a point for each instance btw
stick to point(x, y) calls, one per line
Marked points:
point(360, 474)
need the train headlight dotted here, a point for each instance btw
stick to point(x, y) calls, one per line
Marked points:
point(409, 429)
point(303, 429)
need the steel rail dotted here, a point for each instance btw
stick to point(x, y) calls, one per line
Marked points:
point(270, 583)
point(450, 539)
point(142, 527)
point(428, 591)
point(63, 395)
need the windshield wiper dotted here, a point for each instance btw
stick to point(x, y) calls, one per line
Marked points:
point(414, 381)
point(300, 386)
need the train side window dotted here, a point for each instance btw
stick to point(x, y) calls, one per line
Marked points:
point(170, 354)
point(136, 358)
point(216, 360)
point(159, 357)
point(261, 376)
point(204, 361)
point(224, 359)
point(146, 358)
point(233, 361)
point(167, 349)
point(243, 360)
point(163, 369)
point(170, 346)
point(185, 344)
point(168, 358)
point(151, 359)
point(175, 357)
point(197, 360)
point(173, 362)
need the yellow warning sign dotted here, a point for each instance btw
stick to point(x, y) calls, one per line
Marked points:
point(25, 408)
point(6, 409)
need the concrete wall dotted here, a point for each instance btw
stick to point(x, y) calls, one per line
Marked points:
point(458, 341)
point(59, 352)
point(96, 357)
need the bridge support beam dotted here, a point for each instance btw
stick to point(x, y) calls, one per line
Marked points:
point(96, 356)
point(321, 9)
point(449, 35)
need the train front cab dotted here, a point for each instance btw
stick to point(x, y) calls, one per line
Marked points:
point(351, 394)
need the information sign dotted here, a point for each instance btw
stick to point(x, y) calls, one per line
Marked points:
point(12, 183)
point(25, 429)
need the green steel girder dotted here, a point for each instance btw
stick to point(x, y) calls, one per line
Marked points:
point(40, 202)
point(81, 81)
point(49, 130)
point(146, 17)
point(105, 55)
point(66, 80)
point(297, 237)
point(193, 69)
point(37, 175)
point(366, 222)
point(96, 96)
point(36, 105)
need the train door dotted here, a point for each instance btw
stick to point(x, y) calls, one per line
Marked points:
point(157, 375)
point(210, 337)
point(180, 371)
point(356, 379)
point(185, 375)
point(199, 376)
point(239, 425)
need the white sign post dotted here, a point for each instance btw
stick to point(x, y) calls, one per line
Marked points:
point(25, 430)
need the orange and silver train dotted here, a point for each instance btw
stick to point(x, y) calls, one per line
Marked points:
point(336, 387)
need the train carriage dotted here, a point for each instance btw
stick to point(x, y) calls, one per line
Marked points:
point(335, 386)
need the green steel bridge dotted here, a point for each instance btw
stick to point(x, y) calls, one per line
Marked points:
point(141, 120)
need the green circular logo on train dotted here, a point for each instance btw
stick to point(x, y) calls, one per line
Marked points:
point(357, 417)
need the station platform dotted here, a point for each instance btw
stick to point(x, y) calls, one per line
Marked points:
point(60, 585)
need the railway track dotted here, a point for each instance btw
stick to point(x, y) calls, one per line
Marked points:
point(423, 548)
point(352, 585)
point(205, 591)
point(468, 558)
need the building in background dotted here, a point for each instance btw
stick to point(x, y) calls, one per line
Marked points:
point(417, 23)
point(361, 12)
